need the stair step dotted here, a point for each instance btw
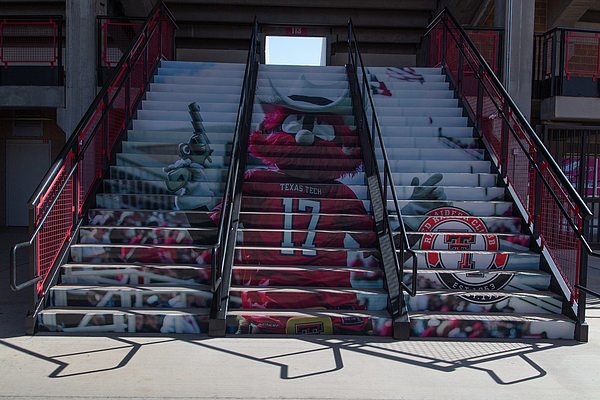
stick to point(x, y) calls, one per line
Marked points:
point(448, 179)
point(417, 111)
point(413, 92)
point(503, 242)
point(483, 301)
point(131, 147)
point(391, 102)
point(277, 255)
point(307, 297)
point(201, 97)
point(164, 160)
point(311, 322)
point(383, 71)
point(158, 173)
point(474, 260)
point(490, 279)
point(427, 131)
point(215, 89)
point(404, 142)
point(262, 236)
point(491, 325)
point(395, 85)
point(432, 165)
point(159, 236)
point(331, 206)
point(424, 153)
point(143, 253)
point(354, 276)
point(135, 274)
point(185, 125)
point(151, 218)
point(220, 81)
point(201, 67)
point(157, 202)
point(302, 69)
point(161, 187)
point(459, 222)
point(151, 320)
point(183, 136)
point(98, 295)
point(184, 115)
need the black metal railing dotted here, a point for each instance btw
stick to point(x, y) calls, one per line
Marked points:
point(566, 63)
point(114, 35)
point(62, 198)
point(223, 253)
point(555, 213)
point(31, 50)
point(381, 184)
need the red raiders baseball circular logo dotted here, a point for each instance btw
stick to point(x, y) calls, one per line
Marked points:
point(473, 252)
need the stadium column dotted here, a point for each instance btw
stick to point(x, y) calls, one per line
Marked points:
point(517, 17)
point(80, 60)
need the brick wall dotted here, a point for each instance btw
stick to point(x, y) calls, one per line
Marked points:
point(540, 16)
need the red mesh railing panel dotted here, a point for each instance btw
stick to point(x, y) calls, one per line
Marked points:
point(487, 44)
point(582, 55)
point(499, 123)
point(435, 45)
point(117, 118)
point(519, 170)
point(116, 38)
point(94, 143)
point(28, 42)
point(491, 119)
point(469, 81)
point(137, 77)
point(556, 232)
point(167, 39)
point(57, 226)
point(91, 166)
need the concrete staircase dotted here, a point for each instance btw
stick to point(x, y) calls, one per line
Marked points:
point(477, 276)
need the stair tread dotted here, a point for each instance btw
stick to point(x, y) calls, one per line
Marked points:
point(514, 293)
point(306, 289)
point(490, 316)
point(130, 286)
point(131, 310)
point(308, 312)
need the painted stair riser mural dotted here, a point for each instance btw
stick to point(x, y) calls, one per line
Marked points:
point(126, 247)
point(472, 262)
point(243, 275)
point(306, 259)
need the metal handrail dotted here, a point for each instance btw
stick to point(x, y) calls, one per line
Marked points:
point(388, 178)
point(72, 152)
point(225, 234)
point(572, 199)
point(585, 211)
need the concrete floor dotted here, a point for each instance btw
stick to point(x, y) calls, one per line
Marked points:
point(199, 367)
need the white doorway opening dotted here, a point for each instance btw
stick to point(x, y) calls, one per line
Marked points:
point(293, 50)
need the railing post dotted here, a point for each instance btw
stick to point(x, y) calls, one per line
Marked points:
point(444, 38)
point(504, 142)
point(105, 133)
point(460, 69)
point(537, 197)
point(581, 328)
point(583, 164)
point(478, 117)
point(30, 325)
point(561, 72)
